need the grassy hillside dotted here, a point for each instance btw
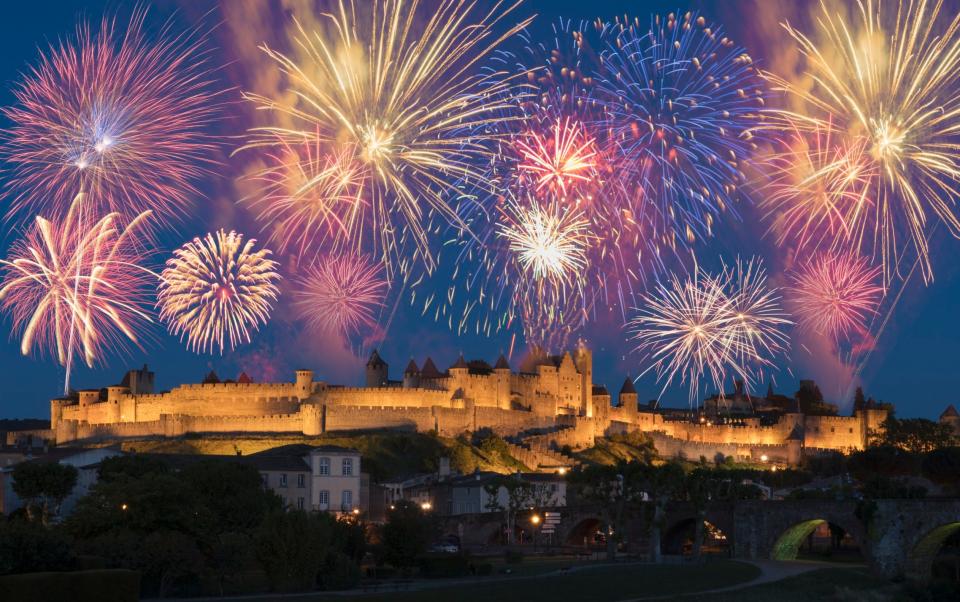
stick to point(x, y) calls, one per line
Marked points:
point(386, 454)
point(610, 450)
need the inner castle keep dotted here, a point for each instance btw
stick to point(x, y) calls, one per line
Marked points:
point(548, 401)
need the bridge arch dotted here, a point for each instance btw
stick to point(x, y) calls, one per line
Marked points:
point(921, 556)
point(583, 531)
point(677, 539)
point(788, 544)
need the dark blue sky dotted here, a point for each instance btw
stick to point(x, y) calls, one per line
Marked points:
point(913, 364)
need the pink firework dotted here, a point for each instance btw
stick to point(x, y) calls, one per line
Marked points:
point(76, 286)
point(559, 161)
point(341, 295)
point(835, 294)
point(119, 115)
point(311, 195)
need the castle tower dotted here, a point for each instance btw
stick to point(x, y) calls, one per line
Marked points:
point(140, 382)
point(458, 374)
point(583, 359)
point(377, 371)
point(303, 384)
point(411, 376)
point(501, 373)
point(952, 418)
point(627, 398)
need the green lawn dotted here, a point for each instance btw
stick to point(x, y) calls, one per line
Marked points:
point(600, 583)
point(823, 584)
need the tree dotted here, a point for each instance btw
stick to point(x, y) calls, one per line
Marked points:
point(28, 547)
point(700, 487)
point(917, 435)
point(942, 466)
point(663, 484)
point(406, 534)
point(291, 547)
point(229, 556)
point(615, 490)
point(168, 556)
point(518, 496)
point(234, 493)
point(884, 460)
point(42, 484)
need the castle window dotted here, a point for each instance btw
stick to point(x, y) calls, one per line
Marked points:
point(346, 500)
point(348, 467)
point(851, 430)
point(324, 468)
point(301, 480)
point(833, 430)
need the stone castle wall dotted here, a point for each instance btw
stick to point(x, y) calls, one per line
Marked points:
point(548, 401)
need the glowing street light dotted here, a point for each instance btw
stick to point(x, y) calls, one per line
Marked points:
point(426, 506)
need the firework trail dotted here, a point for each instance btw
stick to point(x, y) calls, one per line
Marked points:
point(76, 286)
point(215, 290)
point(887, 81)
point(681, 101)
point(341, 295)
point(393, 85)
point(119, 115)
point(709, 327)
point(836, 294)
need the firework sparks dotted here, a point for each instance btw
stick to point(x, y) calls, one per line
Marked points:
point(710, 327)
point(75, 287)
point(120, 116)
point(836, 294)
point(341, 294)
point(548, 241)
point(405, 100)
point(215, 290)
point(559, 162)
point(681, 101)
point(889, 82)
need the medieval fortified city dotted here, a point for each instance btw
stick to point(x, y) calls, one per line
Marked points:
point(480, 300)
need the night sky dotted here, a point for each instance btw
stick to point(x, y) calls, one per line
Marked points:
point(913, 364)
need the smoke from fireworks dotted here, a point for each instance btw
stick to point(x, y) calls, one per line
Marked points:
point(341, 294)
point(119, 115)
point(886, 80)
point(710, 327)
point(215, 290)
point(836, 294)
point(393, 85)
point(76, 286)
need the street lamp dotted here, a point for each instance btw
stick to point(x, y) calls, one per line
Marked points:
point(426, 506)
point(764, 458)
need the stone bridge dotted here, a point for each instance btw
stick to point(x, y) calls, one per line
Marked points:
point(896, 537)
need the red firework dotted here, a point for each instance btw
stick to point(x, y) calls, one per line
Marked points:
point(558, 161)
point(835, 294)
point(341, 295)
point(119, 115)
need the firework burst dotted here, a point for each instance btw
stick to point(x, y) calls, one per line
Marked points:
point(887, 81)
point(546, 240)
point(215, 290)
point(118, 115)
point(836, 294)
point(559, 162)
point(681, 101)
point(76, 287)
point(709, 327)
point(394, 83)
point(341, 295)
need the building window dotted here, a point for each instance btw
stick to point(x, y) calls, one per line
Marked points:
point(324, 467)
point(283, 480)
point(324, 499)
point(347, 467)
point(346, 500)
point(851, 430)
point(266, 479)
point(299, 503)
point(301, 480)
